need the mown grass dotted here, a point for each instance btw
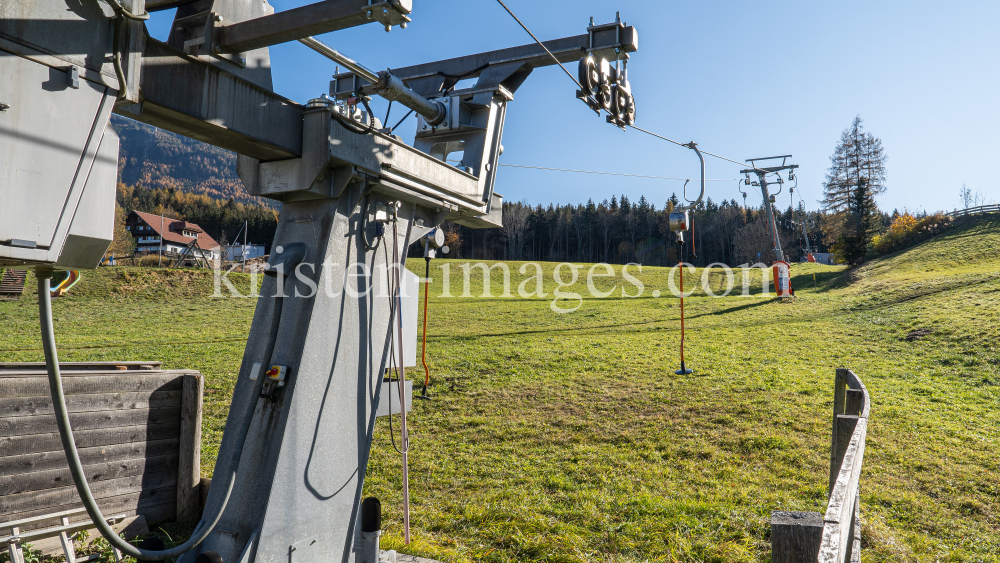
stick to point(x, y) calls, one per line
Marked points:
point(567, 437)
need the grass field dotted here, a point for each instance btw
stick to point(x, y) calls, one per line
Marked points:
point(567, 437)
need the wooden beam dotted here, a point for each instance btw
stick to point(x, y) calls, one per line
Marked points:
point(31, 406)
point(54, 478)
point(78, 385)
point(44, 461)
point(158, 486)
point(795, 536)
point(189, 458)
point(18, 445)
point(46, 424)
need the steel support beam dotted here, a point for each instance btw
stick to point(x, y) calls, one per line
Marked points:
point(567, 49)
point(196, 99)
point(314, 19)
point(426, 78)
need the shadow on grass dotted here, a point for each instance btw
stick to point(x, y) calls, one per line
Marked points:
point(824, 281)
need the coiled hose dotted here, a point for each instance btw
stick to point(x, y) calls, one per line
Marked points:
point(225, 484)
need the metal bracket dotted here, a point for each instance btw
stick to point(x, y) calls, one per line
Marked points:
point(390, 12)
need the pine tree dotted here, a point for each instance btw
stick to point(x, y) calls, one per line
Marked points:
point(858, 155)
point(864, 222)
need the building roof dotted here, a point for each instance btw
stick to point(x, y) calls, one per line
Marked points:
point(178, 226)
point(172, 230)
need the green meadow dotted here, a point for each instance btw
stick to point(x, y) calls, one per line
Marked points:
point(569, 438)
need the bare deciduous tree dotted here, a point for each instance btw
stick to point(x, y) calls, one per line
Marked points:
point(754, 244)
point(515, 225)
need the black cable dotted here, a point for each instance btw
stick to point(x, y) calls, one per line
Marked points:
point(371, 115)
point(388, 110)
point(392, 348)
point(464, 75)
point(408, 114)
point(458, 77)
point(351, 128)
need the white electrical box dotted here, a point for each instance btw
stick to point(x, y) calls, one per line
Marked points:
point(410, 296)
point(388, 401)
point(58, 166)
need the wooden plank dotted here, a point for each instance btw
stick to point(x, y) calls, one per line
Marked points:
point(45, 461)
point(35, 443)
point(122, 370)
point(53, 478)
point(840, 510)
point(189, 458)
point(795, 536)
point(86, 384)
point(74, 366)
point(46, 424)
point(33, 406)
point(843, 431)
point(162, 486)
point(150, 506)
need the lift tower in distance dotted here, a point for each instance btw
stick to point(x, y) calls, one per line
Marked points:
point(762, 177)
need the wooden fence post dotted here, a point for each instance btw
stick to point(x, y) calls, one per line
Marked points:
point(189, 461)
point(795, 536)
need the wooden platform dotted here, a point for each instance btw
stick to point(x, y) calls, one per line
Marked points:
point(138, 431)
point(12, 281)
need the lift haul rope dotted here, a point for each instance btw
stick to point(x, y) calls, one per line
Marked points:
point(577, 82)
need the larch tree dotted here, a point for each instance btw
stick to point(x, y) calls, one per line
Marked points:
point(123, 243)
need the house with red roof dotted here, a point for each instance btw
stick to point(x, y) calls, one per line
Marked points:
point(150, 231)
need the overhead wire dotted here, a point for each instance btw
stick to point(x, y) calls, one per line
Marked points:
point(613, 173)
point(542, 45)
point(582, 89)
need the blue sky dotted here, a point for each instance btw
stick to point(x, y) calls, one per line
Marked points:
point(743, 79)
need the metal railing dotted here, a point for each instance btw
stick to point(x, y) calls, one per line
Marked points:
point(835, 536)
point(975, 210)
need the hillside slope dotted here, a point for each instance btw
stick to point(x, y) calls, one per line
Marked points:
point(155, 158)
point(568, 437)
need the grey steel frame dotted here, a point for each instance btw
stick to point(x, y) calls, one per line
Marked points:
point(762, 173)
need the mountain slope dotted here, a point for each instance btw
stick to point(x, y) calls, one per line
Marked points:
point(155, 158)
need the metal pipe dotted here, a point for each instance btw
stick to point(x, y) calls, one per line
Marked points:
point(384, 83)
point(390, 87)
point(340, 58)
